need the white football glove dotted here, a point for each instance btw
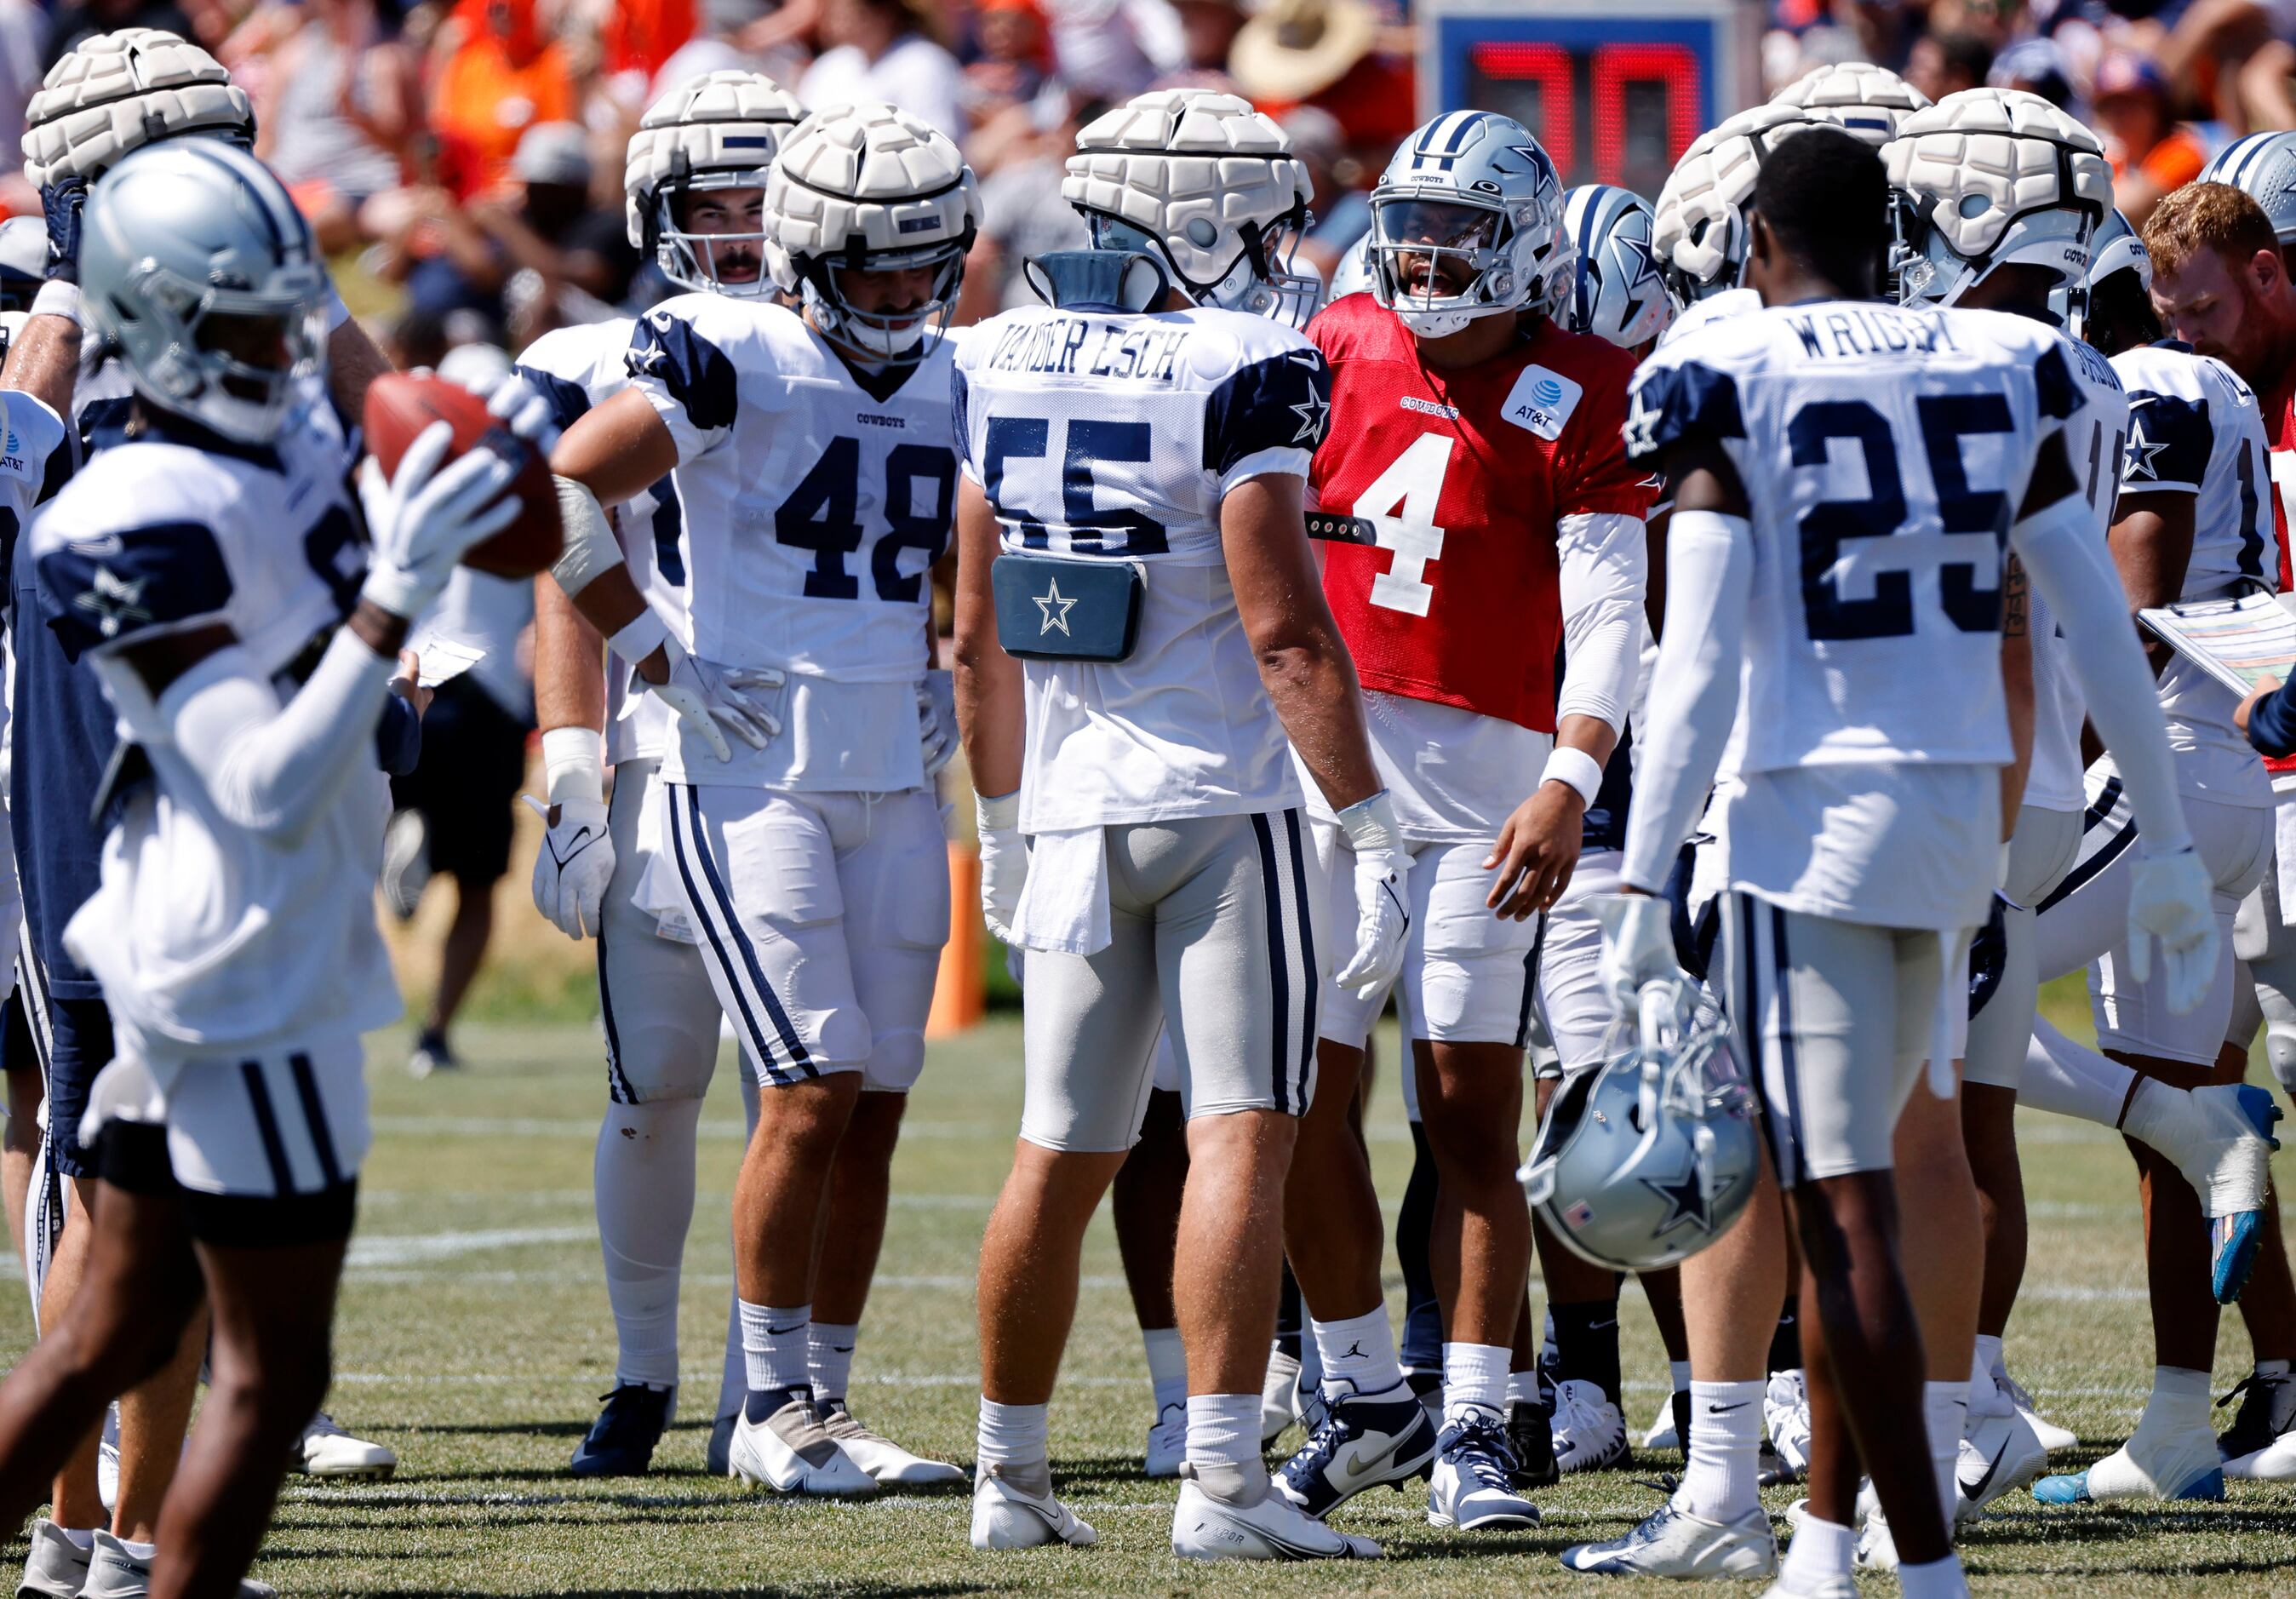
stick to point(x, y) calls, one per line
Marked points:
point(1382, 908)
point(1004, 860)
point(2171, 898)
point(937, 710)
point(577, 858)
point(510, 396)
point(424, 518)
point(1637, 948)
point(713, 700)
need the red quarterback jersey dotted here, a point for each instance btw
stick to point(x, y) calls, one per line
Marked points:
point(2280, 434)
point(1460, 477)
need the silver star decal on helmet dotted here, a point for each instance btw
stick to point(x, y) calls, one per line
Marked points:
point(114, 602)
point(1686, 1200)
point(1312, 412)
point(2137, 458)
point(1642, 261)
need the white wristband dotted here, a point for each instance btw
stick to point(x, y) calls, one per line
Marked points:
point(998, 814)
point(574, 764)
point(57, 298)
point(1574, 769)
point(1370, 823)
point(644, 634)
point(589, 550)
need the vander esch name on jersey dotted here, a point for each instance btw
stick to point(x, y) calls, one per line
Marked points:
point(1116, 351)
point(1880, 330)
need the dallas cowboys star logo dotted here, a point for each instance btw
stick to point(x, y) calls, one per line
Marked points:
point(1686, 1201)
point(1054, 606)
point(2137, 458)
point(1311, 412)
point(1641, 430)
point(115, 602)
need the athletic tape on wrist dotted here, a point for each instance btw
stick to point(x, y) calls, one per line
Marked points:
point(574, 764)
point(640, 638)
point(58, 297)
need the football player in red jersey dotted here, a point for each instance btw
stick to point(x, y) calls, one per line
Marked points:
point(1481, 513)
point(2221, 284)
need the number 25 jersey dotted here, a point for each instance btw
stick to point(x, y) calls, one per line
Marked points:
point(814, 510)
point(1884, 453)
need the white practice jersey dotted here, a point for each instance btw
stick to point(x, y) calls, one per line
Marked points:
point(2195, 429)
point(207, 938)
point(1108, 436)
point(2094, 439)
point(813, 512)
point(577, 368)
point(1883, 452)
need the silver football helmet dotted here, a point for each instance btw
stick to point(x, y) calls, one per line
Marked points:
point(2262, 167)
point(871, 188)
point(198, 271)
point(1616, 291)
point(1466, 222)
point(1986, 177)
point(1208, 186)
point(716, 131)
point(1648, 1157)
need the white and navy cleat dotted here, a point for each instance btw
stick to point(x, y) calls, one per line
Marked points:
point(1674, 1543)
point(1364, 1440)
point(1473, 1485)
point(1237, 1525)
point(792, 1452)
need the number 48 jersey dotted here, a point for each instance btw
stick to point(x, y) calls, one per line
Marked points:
point(1884, 452)
point(814, 510)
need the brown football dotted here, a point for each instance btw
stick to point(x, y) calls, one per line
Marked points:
point(399, 404)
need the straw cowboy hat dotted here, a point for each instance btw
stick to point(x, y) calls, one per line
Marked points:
point(1296, 49)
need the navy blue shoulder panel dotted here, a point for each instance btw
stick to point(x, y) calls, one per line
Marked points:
point(101, 590)
point(697, 374)
point(1283, 402)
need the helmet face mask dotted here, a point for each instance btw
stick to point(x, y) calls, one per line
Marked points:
point(897, 333)
point(1260, 279)
point(699, 258)
point(1467, 223)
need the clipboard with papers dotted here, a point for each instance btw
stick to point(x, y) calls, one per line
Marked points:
point(2236, 641)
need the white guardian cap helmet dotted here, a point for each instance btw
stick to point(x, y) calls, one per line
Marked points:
point(871, 188)
point(1990, 176)
point(1648, 1158)
point(198, 271)
point(719, 131)
point(121, 91)
point(1616, 293)
point(1466, 222)
point(1699, 227)
point(1868, 100)
point(1208, 186)
point(2262, 167)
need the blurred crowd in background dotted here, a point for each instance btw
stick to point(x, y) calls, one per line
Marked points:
point(462, 159)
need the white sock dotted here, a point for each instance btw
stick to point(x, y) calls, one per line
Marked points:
point(1475, 1378)
point(2178, 1404)
point(2066, 1080)
point(829, 1357)
point(1361, 1348)
point(734, 1384)
point(1522, 1387)
point(1944, 1412)
point(773, 1345)
point(1679, 1370)
point(1937, 1580)
point(1718, 1479)
point(1987, 1397)
point(1820, 1552)
point(1011, 1435)
point(1224, 1430)
point(2272, 1368)
point(1168, 1366)
point(83, 1538)
point(140, 1551)
point(642, 1179)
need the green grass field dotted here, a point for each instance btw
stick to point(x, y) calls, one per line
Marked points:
point(474, 1337)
